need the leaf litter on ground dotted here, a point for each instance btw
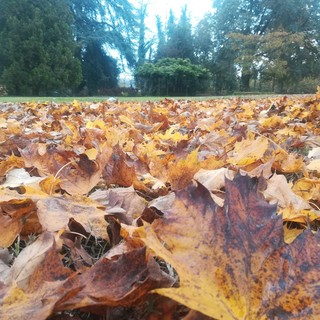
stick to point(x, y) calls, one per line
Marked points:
point(213, 205)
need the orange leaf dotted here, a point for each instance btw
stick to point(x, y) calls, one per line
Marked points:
point(181, 172)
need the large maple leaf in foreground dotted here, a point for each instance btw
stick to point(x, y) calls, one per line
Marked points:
point(233, 263)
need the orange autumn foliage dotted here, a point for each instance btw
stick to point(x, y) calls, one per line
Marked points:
point(210, 209)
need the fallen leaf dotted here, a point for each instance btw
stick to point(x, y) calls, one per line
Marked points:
point(119, 172)
point(119, 280)
point(308, 189)
point(54, 214)
point(45, 280)
point(10, 163)
point(247, 152)
point(278, 190)
point(13, 215)
point(287, 162)
point(29, 259)
point(314, 165)
point(182, 171)
point(240, 266)
point(18, 177)
point(212, 179)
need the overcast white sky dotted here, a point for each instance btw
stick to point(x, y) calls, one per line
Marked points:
point(196, 9)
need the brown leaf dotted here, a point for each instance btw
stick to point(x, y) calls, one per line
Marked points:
point(119, 172)
point(124, 203)
point(118, 280)
point(54, 214)
point(87, 173)
point(233, 263)
point(78, 174)
point(29, 259)
point(37, 295)
point(13, 214)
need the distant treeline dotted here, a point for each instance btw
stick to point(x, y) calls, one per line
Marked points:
point(63, 47)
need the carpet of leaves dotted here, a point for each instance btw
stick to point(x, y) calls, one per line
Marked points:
point(169, 210)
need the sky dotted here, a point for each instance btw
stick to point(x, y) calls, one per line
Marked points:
point(196, 9)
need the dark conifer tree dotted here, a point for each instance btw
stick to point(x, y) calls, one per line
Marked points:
point(37, 47)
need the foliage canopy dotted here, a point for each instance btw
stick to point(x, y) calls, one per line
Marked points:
point(37, 47)
point(170, 76)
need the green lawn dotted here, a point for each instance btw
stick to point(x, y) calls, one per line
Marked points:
point(100, 98)
point(91, 99)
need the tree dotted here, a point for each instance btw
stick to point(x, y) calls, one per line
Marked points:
point(99, 70)
point(213, 51)
point(161, 39)
point(204, 40)
point(179, 42)
point(37, 47)
point(99, 27)
point(143, 45)
point(257, 33)
point(111, 23)
point(171, 76)
point(171, 26)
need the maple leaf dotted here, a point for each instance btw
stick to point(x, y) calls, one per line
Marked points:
point(54, 214)
point(287, 163)
point(307, 189)
point(314, 165)
point(77, 176)
point(13, 215)
point(32, 290)
point(9, 163)
point(233, 263)
point(248, 152)
point(125, 203)
point(172, 135)
point(182, 171)
point(121, 279)
point(18, 177)
point(118, 171)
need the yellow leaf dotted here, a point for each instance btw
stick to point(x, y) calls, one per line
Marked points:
point(181, 172)
point(92, 153)
point(314, 165)
point(172, 135)
point(126, 120)
point(307, 189)
point(234, 264)
point(98, 123)
point(287, 162)
point(247, 152)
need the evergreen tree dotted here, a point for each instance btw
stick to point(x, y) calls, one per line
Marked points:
point(99, 27)
point(143, 45)
point(37, 47)
point(172, 76)
point(112, 23)
point(183, 37)
point(204, 40)
point(100, 71)
point(171, 26)
point(161, 39)
point(179, 39)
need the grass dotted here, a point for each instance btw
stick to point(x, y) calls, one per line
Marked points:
point(135, 99)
